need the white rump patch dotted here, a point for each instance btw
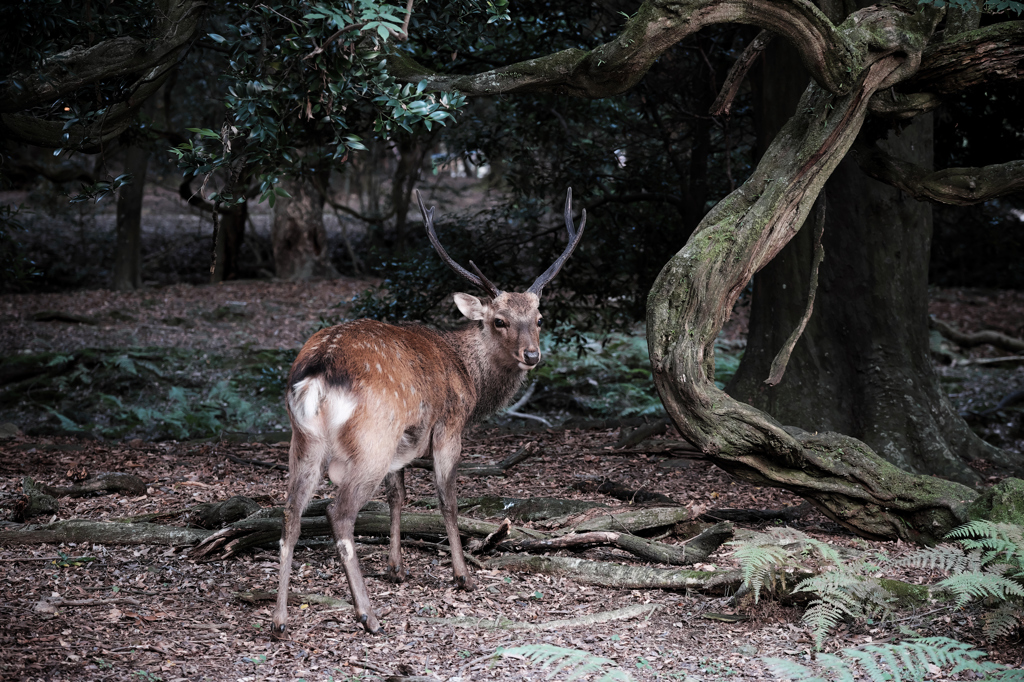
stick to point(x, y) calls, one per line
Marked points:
point(311, 396)
point(340, 405)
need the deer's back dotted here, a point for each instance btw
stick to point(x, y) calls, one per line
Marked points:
point(408, 371)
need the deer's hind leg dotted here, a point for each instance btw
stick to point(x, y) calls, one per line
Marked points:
point(306, 460)
point(394, 482)
point(357, 469)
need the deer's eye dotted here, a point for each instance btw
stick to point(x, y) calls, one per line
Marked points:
point(500, 323)
point(540, 323)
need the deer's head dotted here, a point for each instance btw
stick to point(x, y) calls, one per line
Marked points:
point(510, 321)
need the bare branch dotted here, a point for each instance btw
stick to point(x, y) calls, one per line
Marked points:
point(738, 72)
point(782, 359)
point(956, 186)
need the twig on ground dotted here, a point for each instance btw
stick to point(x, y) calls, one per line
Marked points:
point(256, 462)
point(989, 337)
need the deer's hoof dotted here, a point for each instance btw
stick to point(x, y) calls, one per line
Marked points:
point(369, 623)
point(396, 574)
point(277, 630)
point(464, 582)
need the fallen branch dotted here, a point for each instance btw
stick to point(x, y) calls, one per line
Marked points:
point(628, 438)
point(637, 520)
point(989, 337)
point(104, 532)
point(1011, 399)
point(34, 502)
point(499, 469)
point(786, 515)
point(620, 576)
point(256, 462)
point(256, 597)
point(501, 623)
point(624, 493)
point(112, 482)
point(696, 550)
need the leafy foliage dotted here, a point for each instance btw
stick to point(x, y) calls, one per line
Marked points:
point(301, 81)
point(152, 393)
point(916, 659)
point(575, 663)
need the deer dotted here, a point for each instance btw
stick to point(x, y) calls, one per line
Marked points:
point(365, 398)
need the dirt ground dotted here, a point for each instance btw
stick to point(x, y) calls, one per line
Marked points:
point(153, 613)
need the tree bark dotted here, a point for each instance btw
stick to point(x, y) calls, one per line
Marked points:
point(229, 242)
point(299, 237)
point(128, 253)
point(862, 366)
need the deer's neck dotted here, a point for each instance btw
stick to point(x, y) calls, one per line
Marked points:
point(497, 378)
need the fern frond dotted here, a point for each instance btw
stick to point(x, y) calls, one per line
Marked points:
point(969, 586)
point(822, 617)
point(908, 660)
point(759, 563)
point(575, 662)
point(943, 557)
point(785, 669)
point(1002, 621)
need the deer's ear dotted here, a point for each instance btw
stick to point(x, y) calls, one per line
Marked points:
point(470, 306)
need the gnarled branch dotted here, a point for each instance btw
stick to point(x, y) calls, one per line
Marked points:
point(957, 186)
point(614, 67)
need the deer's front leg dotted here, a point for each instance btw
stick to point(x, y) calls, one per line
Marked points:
point(395, 485)
point(446, 459)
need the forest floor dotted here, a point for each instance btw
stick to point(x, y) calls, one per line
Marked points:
point(154, 613)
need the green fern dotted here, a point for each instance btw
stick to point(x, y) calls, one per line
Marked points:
point(988, 563)
point(908, 660)
point(764, 556)
point(842, 590)
point(572, 661)
point(1002, 621)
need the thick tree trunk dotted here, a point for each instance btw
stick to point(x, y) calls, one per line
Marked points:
point(862, 366)
point(694, 293)
point(299, 237)
point(128, 254)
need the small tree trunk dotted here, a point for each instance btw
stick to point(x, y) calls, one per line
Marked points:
point(411, 151)
point(128, 253)
point(229, 242)
point(299, 237)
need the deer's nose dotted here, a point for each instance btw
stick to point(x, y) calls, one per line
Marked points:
point(531, 357)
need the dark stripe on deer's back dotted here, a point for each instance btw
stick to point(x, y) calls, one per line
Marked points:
point(318, 365)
